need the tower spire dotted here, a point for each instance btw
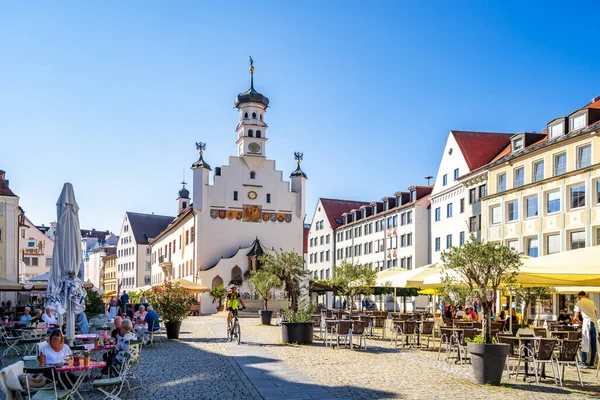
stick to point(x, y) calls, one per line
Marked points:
point(251, 73)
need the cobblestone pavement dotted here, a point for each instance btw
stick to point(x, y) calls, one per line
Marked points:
point(203, 365)
point(384, 372)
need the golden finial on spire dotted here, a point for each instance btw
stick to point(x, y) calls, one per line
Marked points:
point(200, 146)
point(251, 64)
point(298, 157)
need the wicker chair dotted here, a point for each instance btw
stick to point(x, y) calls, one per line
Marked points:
point(344, 330)
point(545, 354)
point(409, 333)
point(540, 332)
point(378, 322)
point(428, 332)
point(359, 328)
point(512, 353)
point(569, 355)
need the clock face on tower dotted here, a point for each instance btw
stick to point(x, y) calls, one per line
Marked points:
point(254, 147)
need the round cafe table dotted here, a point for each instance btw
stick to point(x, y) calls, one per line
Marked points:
point(85, 372)
point(87, 336)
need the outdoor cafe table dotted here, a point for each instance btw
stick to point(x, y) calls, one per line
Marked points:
point(85, 371)
point(528, 341)
point(87, 336)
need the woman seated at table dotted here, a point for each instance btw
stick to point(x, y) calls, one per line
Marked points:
point(26, 317)
point(515, 321)
point(37, 316)
point(449, 314)
point(140, 315)
point(54, 352)
point(116, 357)
point(49, 318)
point(501, 317)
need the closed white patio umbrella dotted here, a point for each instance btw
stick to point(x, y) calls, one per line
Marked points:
point(65, 292)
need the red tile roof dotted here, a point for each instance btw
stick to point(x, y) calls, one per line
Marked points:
point(479, 148)
point(4, 189)
point(334, 208)
point(595, 104)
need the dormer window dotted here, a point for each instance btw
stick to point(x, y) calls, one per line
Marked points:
point(385, 205)
point(345, 219)
point(518, 143)
point(374, 209)
point(413, 196)
point(578, 122)
point(557, 130)
point(364, 213)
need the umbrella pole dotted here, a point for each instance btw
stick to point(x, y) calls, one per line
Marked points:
point(70, 322)
point(394, 299)
point(510, 312)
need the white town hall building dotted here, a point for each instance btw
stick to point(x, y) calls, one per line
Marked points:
point(237, 212)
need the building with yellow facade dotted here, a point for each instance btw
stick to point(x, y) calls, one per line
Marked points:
point(109, 281)
point(543, 190)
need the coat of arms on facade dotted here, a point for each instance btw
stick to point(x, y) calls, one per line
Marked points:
point(265, 216)
point(288, 217)
point(214, 214)
point(252, 213)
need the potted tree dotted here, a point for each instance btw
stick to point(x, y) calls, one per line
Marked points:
point(218, 294)
point(529, 296)
point(354, 279)
point(172, 303)
point(483, 268)
point(264, 281)
point(288, 267)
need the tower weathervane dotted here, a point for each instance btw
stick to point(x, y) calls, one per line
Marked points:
point(200, 146)
point(251, 64)
point(183, 182)
point(298, 156)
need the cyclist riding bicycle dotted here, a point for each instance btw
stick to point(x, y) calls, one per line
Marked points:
point(233, 298)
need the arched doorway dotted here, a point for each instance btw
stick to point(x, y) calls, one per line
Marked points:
point(236, 275)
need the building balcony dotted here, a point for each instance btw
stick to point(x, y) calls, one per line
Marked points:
point(166, 265)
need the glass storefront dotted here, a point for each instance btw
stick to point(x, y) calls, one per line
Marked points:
point(567, 301)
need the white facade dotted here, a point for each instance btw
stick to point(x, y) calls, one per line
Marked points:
point(320, 257)
point(9, 235)
point(448, 223)
point(93, 269)
point(35, 252)
point(174, 249)
point(248, 199)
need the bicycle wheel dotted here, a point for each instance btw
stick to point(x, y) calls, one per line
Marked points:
point(230, 332)
point(238, 332)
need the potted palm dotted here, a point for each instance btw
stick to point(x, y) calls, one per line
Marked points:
point(288, 267)
point(264, 281)
point(172, 302)
point(218, 294)
point(483, 268)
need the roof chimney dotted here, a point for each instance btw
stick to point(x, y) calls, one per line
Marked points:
point(2, 173)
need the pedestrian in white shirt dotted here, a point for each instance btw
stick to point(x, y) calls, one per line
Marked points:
point(589, 339)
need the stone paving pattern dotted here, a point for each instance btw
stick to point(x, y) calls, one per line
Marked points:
point(203, 365)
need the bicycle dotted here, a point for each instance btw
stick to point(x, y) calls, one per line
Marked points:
point(233, 331)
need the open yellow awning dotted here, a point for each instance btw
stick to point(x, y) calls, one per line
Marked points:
point(400, 277)
point(191, 286)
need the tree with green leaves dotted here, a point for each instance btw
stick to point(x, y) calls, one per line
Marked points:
point(482, 267)
point(218, 294)
point(288, 266)
point(354, 279)
point(264, 281)
point(456, 294)
point(529, 296)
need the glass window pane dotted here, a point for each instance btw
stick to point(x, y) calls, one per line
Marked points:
point(552, 244)
point(584, 156)
point(578, 196)
point(560, 164)
point(532, 247)
point(519, 177)
point(577, 240)
point(532, 207)
point(496, 215)
point(538, 171)
point(553, 202)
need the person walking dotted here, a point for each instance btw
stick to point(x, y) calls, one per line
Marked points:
point(589, 339)
point(124, 301)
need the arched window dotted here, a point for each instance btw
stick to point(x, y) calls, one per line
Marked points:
point(258, 134)
point(254, 115)
point(217, 281)
point(251, 133)
point(246, 115)
point(252, 175)
point(236, 275)
point(261, 117)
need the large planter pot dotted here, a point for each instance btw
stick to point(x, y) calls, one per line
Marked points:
point(173, 329)
point(297, 332)
point(489, 362)
point(265, 316)
point(220, 308)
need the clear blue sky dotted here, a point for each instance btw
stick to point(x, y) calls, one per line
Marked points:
point(111, 96)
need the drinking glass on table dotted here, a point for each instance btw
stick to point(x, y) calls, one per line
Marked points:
point(70, 361)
